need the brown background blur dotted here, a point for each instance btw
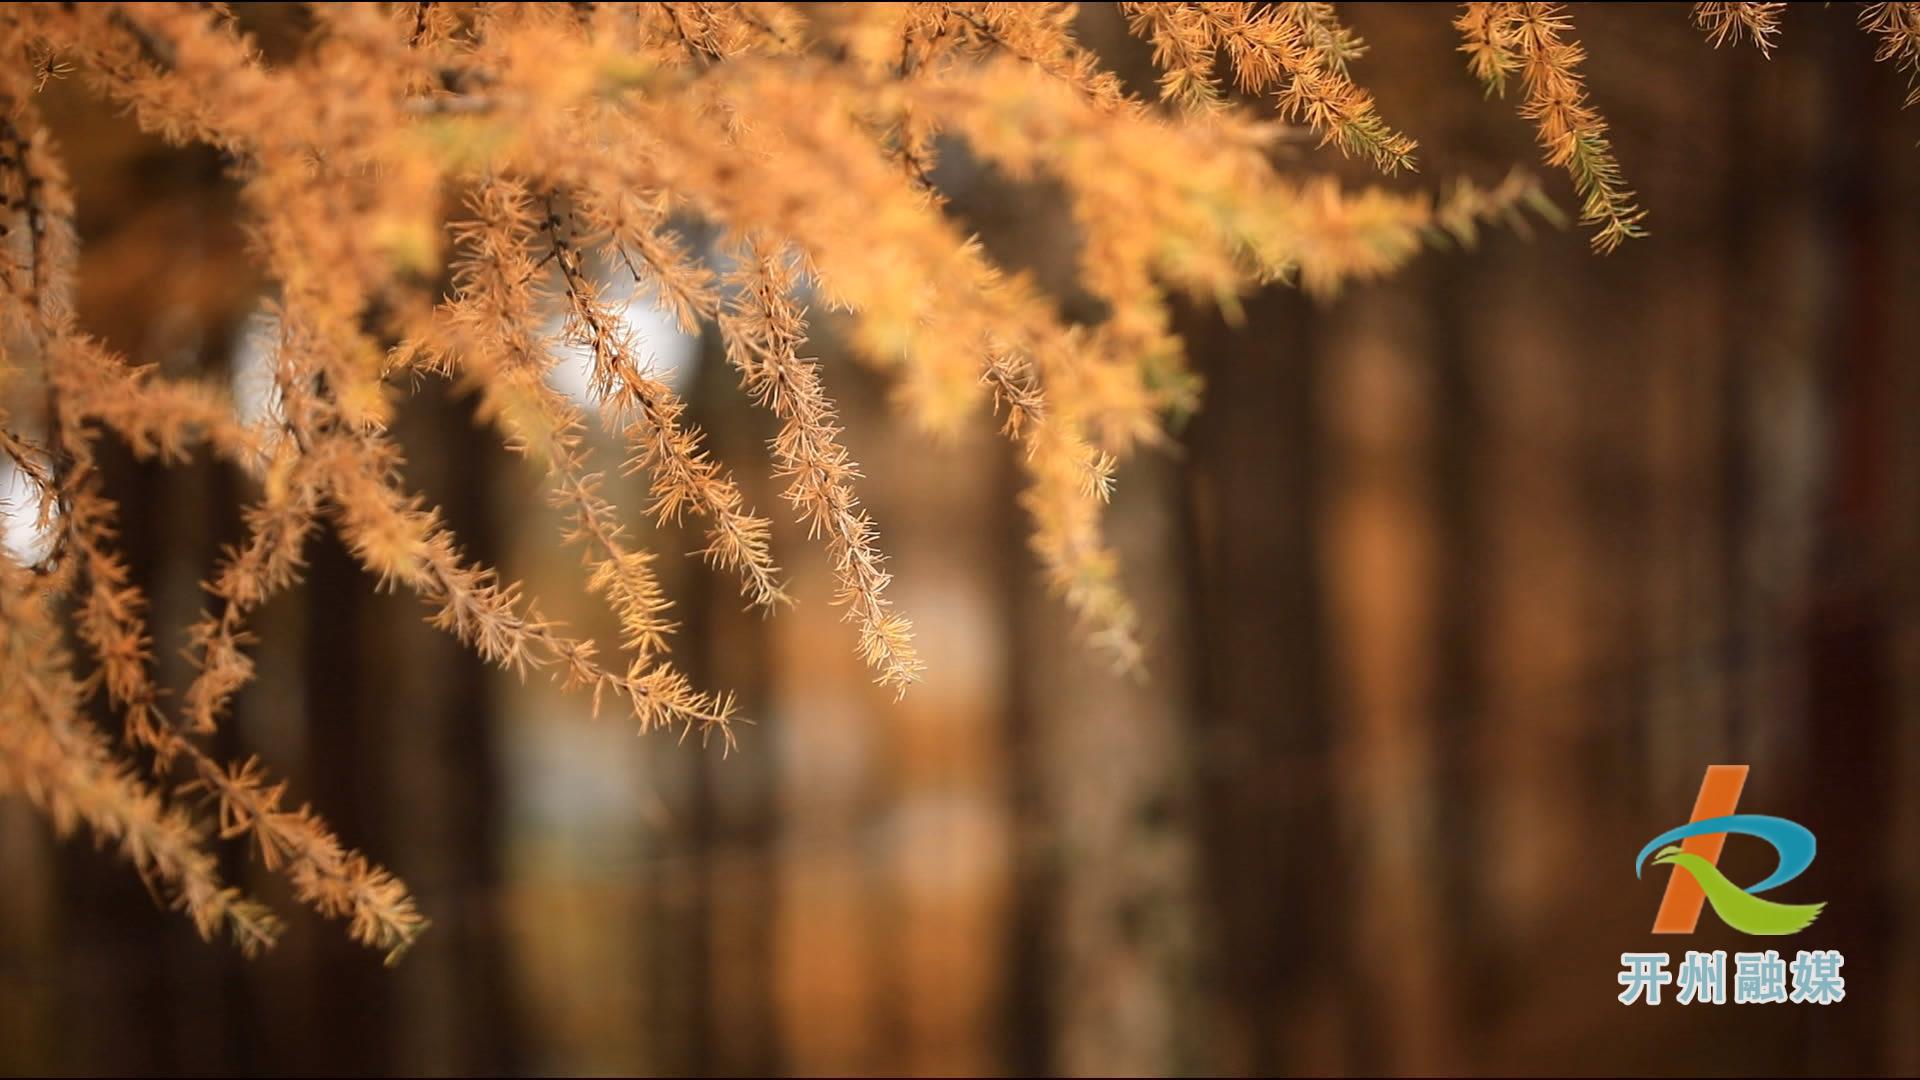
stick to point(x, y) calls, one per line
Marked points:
point(1453, 588)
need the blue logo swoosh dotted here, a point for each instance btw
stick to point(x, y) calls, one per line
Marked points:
point(1792, 841)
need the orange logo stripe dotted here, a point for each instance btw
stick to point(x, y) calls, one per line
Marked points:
point(1719, 796)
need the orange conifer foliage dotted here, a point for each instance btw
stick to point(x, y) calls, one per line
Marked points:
point(572, 137)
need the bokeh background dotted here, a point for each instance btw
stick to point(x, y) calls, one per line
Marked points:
point(1453, 589)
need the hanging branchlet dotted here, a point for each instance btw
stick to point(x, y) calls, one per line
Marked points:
point(492, 330)
point(1069, 482)
point(1732, 23)
point(1898, 28)
point(685, 478)
point(267, 562)
point(1529, 40)
point(637, 241)
point(337, 882)
point(764, 327)
point(88, 388)
point(60, 762)
point(1299, 52)
point(400, 540)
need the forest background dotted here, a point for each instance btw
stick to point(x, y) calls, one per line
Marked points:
point(1450, 592)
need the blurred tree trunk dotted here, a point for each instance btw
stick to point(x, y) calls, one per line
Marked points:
point(437, 709)
point(1380, 549)
point(1278, 984)
point(121, 941)
point(947, 824)
point(1113, 770)
point(1780, 269)
point(30, 953)
point(348, 765)
point(404, 764)
point(825, 725)
point(173, 1003)
point(1902, 838)
point(735, 792)
point(1852, 684)
point(894, 878)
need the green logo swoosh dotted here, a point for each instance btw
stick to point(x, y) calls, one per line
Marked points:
point(1736, 907)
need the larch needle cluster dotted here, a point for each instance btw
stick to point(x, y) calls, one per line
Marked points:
point(446, 190)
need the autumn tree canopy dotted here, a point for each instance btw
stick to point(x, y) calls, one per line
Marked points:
point(458, 191)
